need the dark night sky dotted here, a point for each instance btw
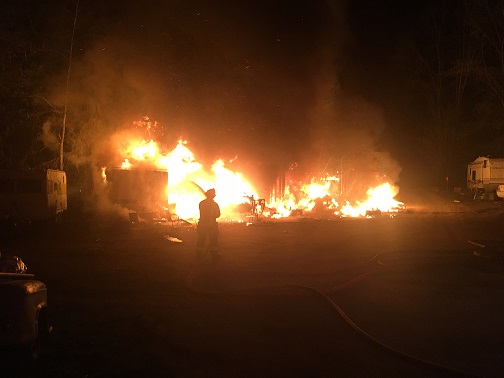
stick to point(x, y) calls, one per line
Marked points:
point(246, 76)
point(231, 72)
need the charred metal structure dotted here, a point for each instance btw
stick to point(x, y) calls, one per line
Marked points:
point(138, 190)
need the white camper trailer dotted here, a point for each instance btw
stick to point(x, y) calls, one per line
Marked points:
point(484, 175)
point(33, 195)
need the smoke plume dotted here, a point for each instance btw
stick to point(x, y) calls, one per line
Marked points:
point(257, 80)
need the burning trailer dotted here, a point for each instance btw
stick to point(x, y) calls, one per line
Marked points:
point(484, 175)
point(142, 191)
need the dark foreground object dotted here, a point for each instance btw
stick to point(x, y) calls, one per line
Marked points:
point(23, 314)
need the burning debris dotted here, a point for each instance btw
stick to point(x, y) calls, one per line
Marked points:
point(380, 200)
point(172, 183)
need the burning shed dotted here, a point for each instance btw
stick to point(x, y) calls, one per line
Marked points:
point(138, 190)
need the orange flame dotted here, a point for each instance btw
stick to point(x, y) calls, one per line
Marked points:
point(188, 180)
point(380, 198)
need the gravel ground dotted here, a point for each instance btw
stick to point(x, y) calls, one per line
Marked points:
point(401, 296)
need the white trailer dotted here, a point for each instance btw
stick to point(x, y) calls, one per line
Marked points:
point(33, 195)
point(484, 175)
point(139, 190)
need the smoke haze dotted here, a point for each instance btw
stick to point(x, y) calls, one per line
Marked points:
point(257, 80)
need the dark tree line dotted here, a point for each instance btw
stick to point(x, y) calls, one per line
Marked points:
point(452, 94)
point(34, 50)
point(39, 126)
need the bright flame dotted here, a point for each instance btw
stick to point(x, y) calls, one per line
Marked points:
point(304, 200)
point(380, 198)
point(146, 150)
point(126, 164)
point(188, 180)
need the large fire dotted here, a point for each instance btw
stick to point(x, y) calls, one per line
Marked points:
point(188, 180)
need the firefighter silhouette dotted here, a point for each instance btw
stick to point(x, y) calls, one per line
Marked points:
point(208, 231)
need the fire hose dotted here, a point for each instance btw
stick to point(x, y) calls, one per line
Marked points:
point(404, 355)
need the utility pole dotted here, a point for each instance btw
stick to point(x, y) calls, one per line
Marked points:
point(65, 111)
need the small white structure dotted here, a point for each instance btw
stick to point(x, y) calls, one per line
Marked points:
point(33, 195)
point(484, 175)
point(139, 190)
